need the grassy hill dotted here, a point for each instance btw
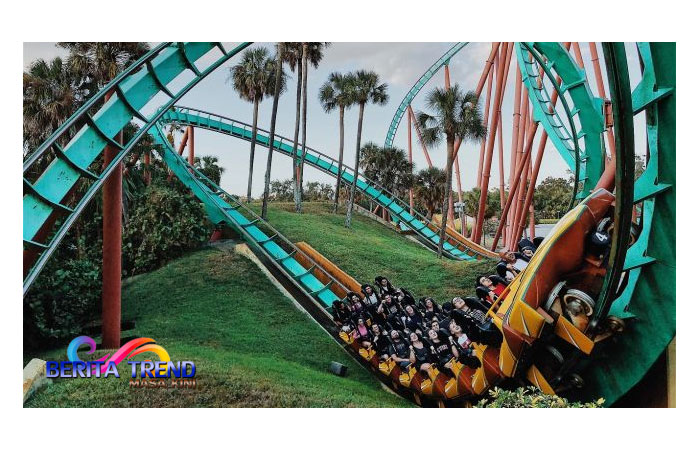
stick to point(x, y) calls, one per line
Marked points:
point(369, 249)
point(252, 347)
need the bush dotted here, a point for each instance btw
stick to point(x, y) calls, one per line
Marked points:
point(61, 301)
point(165, 223)
point(530, 398)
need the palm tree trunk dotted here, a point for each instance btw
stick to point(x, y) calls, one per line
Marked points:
point(295, 163)
point(273, 123)
point(305, 70)
point(448, 191)
point(252, 149)
point(340, 159)
point(351, 203)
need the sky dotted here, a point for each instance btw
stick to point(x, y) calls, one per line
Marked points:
point(397, 64)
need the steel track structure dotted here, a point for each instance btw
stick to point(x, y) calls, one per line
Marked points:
point(416, 88)
point(649, 264)
point(45, 199)
point(429, 232)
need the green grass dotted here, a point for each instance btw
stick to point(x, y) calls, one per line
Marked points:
point(369, 249)
point(252, 347)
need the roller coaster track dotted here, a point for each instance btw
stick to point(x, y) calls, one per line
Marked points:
point(454, 247)
point(51, 202)
point(649, 296)
point(223, 208)
point(46, 199)
point(415, 89)
point(585, 161)
point(652, 256)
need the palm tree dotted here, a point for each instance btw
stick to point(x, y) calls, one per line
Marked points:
point(254, 79)
point(293, 57)
point(429, 187)
point(366, 89)
point(337, 92)
point(209, 166)
point(96, 63)
point(311, 52)
point(280, 86)
point(50, 97)
point(388, 166)
point(456, 114)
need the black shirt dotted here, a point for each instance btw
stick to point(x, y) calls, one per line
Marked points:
point(400, 348)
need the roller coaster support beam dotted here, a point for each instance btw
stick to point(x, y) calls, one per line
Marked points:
point(487, 110)
point(486, 73)
point(180, 151)
point(412, 118)
point(112, 251)
point(495, 116)
point(515, 134)
point(519, 150)
point(190, 142)
point(501, 175)
point(516, 183)
point(501, 75)
point(486, 173)
point(147, 167)
point(410, 161)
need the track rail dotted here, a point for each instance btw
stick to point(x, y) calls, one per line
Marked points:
point(429, 232)
point(648, 300)
point(580, 146)
point(415, 89)
point(46, 198)
point(224, 208)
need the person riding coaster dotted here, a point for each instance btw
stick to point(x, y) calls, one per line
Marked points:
point(489, 288)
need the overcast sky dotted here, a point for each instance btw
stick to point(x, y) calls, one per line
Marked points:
point(398, 64)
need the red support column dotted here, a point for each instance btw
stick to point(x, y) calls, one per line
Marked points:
point(500, 84)
point(147, 167)
point(410, 160)
point(487, 109)
point(112, 251)
point(487, 72)
point(412, 117)
point(190, 156)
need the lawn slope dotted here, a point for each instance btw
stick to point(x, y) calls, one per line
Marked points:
point(252, 347)
point(369, 249)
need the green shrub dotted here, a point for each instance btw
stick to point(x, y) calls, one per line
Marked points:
point(530, 398)
point(165, 222)
point(61, 301)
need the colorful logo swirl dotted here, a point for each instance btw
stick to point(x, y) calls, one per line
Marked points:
point(130, 349)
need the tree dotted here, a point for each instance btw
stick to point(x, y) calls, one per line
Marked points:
point(456, 114)
point(311, 52)
point(337, 93)
point(50, 97)
point(253, 78)
point(429, 187)
point(280, 86)
point(366, 89)
point(388, 166)
point(552, 198)
point(209, 167)
point(95, 64)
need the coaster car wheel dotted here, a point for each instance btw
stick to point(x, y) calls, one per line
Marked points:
point(576, 300)
point(554, 295)
point(576, 381)
point(615, 324)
